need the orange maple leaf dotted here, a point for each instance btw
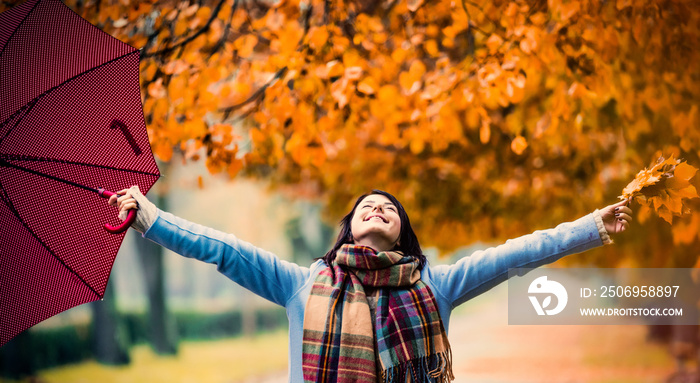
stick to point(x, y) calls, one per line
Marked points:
point(664, 187)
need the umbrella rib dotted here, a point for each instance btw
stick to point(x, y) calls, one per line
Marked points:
point(25, 110)
point(10, 157)
point(37, 98)
point(3, 196)
point(18, 26)
point(14, 211)
point(38, 173)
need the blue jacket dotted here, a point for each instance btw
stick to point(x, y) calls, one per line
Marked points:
point(288, 284)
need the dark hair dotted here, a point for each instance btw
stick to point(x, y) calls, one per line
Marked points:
point(408, 242)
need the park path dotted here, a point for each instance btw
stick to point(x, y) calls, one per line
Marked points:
point(487, 350)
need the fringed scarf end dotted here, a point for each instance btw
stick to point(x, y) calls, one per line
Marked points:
point(435, 368)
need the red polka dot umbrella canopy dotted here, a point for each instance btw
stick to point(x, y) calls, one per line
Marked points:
point(71, 126)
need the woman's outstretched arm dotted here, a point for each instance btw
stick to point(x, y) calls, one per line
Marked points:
point(253, 268)
point(484, 269)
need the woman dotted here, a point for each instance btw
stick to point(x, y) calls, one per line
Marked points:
point(371, 309)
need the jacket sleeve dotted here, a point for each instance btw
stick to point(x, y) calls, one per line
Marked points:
point(484, 269)
point(257, 270)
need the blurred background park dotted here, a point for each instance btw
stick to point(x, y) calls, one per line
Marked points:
point(487, 119)
point(201, 327)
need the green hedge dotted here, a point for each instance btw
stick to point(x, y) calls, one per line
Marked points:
point(43, 348)
point(197, 326)
point(34, 350)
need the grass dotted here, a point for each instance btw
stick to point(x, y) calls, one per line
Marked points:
point(219, 361)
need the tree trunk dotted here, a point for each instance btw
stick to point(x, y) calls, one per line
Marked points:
point(162, 331)
point(110, 340)
point(310, 237)
point(249, 321)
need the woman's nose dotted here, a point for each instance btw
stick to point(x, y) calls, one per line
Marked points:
point(379, 208)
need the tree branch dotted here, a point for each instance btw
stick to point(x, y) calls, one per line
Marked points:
point(189, 39)
point(470, 24)
point(326, 11)
point(279, 74)
point(258, 93)
point(227, 30)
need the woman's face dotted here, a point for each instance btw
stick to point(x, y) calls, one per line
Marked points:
point(376, 223)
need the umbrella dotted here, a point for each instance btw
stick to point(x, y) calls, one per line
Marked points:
point(71, 129)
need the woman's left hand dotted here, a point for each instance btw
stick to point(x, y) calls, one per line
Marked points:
point(616, 217)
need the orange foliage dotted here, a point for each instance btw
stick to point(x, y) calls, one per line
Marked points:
point(488, 119)
point(665, 186)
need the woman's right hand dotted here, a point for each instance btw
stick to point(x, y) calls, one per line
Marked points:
point(125, 201)
point(132, 198)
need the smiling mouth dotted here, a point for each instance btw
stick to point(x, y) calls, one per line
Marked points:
point(377, 216)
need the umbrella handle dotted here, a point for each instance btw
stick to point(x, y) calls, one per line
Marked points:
point(130, 218)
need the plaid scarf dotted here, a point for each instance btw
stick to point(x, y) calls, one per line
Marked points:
point(404, 341)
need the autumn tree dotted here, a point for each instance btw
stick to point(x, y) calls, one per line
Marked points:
point(487, 119)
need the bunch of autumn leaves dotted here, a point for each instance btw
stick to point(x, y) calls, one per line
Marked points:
point(665, 187)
